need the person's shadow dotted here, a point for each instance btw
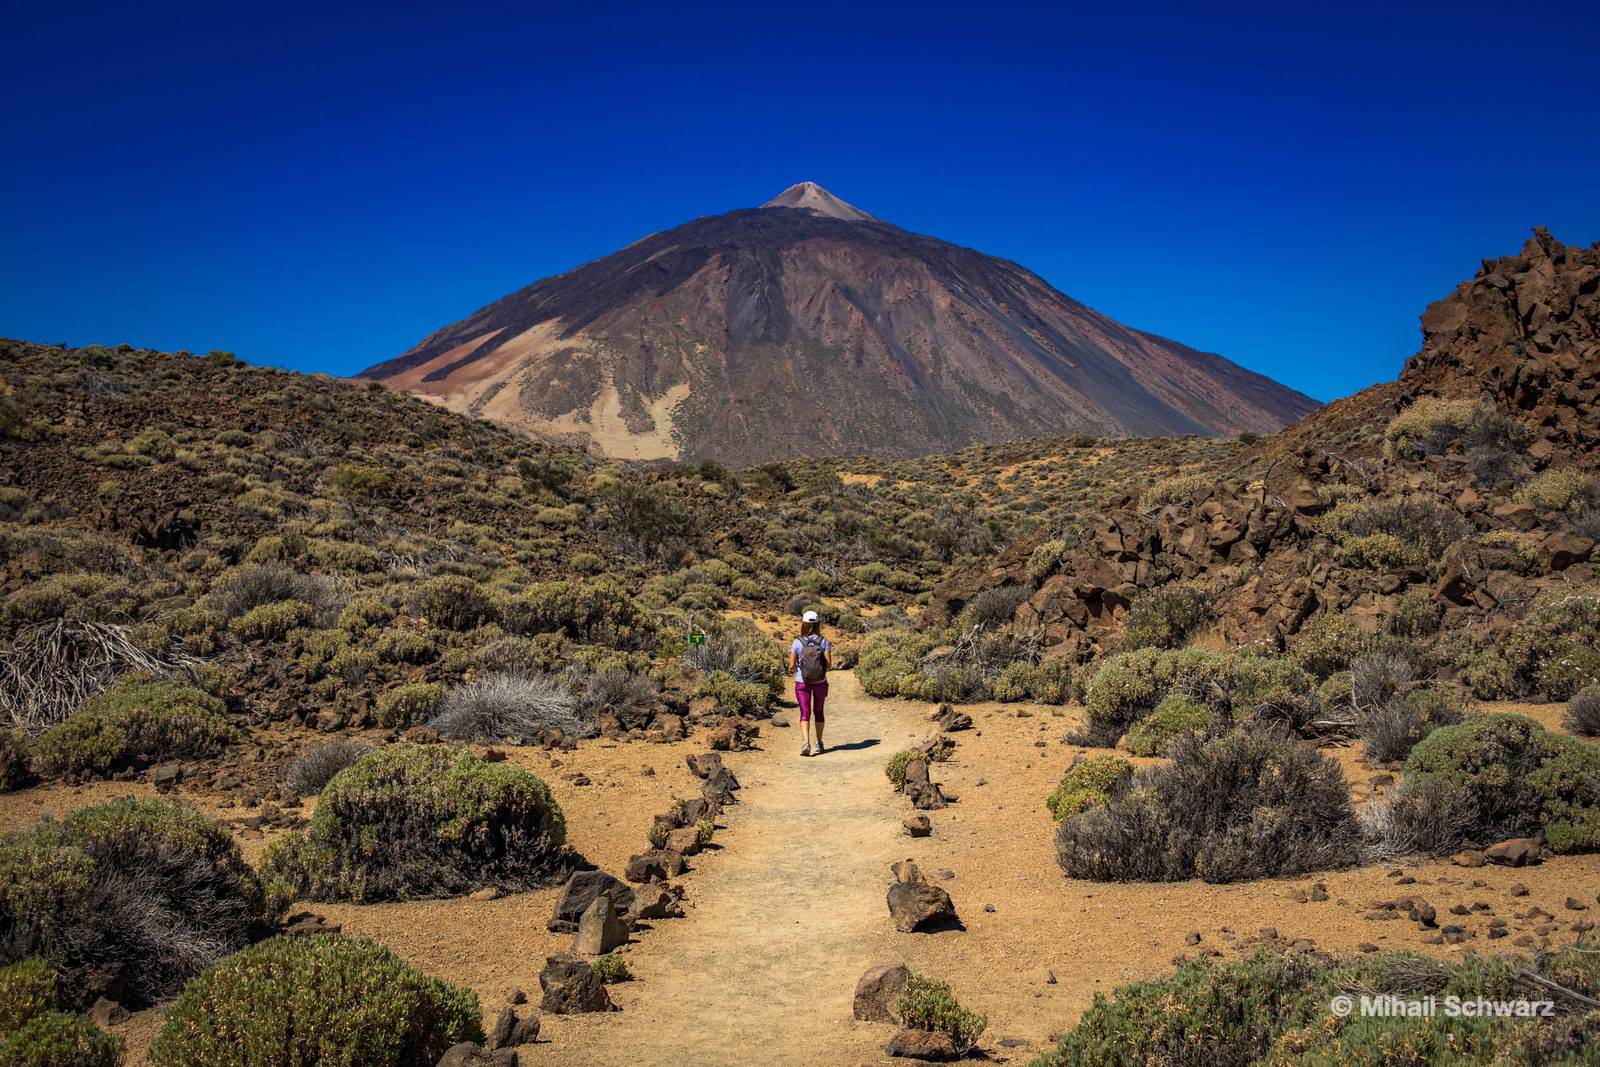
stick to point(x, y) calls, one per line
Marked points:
point(852, 746)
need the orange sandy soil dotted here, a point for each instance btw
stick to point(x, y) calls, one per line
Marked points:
point(789, 910)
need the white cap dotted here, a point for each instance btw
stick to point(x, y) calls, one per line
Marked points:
point(809, 616)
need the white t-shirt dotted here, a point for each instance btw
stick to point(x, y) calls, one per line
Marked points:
point(794, 650)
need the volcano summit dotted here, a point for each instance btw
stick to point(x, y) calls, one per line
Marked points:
point(807, 326)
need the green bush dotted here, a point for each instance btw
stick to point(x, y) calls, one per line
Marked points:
point(1167, 616)
point(423, 821)
point(357, 481)
point(270, 622)
point(1272, 1009)
point(451, 601)
point(1329, 643)
point(1244, 805)
point(1561, 489)
point(601, 610)
point(326, 999)
point(134, 896)
point(1088, 783)
point(27, 988)
point(930, 1004)
point(1522, 779)
point(887, 656)
point(895, 769)
point(135, 723)
point(408, 705)
point(1431, 425)
point(611, 968)
point(57, 1039)
point(1130, 685)
point(1181, 489)
point(1174, 716)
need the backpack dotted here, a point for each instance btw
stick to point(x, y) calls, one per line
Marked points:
point(813, 668)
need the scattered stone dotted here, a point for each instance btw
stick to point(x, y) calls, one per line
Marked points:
point(685, 840)
point(1515, 852)
point(579, 893)
point(704, 765)
point(1367, 946)
point(917, 825)
point(486, 893)
point(471, 1054)
point(510, 1030)
point(878, 990)
point(915, 905)
point(950, 720)
point(1574, 904)
point(906, 870)
point(166, 776)
point(656, 865)
point(656, 900)
point(305, 923)
point(570, 987)
point(516, 996)
point(1518, 890)
point(601, 929)
point(1469, 858)
point(1319, 891)
point(1192, 937)
point(921, 1045)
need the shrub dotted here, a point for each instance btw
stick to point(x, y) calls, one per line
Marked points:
point(601, 611)
point(1202, 1015)
point(1254, 805)
point(895, 769)
point(1175, 715)
point(1391, 726)
point(1423, 819)
point(633, 698)
point(404, 646)
point(57, 1039)
point(316, 766)
point(1272, 1008)
point(1088, 783)
point(930, 1004)
point(418, 821)
point(993, 607)
point(1046, 559)
point(1561, 489)
point(27, 988)
point(1177, 490)
point(322, 999)
point(887, 656)
point(1521, 777)
point(611, 968)
point(1431, 425)
point(356, 481)
point(254, 587)
point(1583, 713)
point(451, 601)
point(407, 705)
point(134, 723)
point(1329, 644)
point(16, 759)
point(134, 896)
point(270, 622)
point(1130, 685)
point(1403, 532)
point(1166, 617)
point(499, 707)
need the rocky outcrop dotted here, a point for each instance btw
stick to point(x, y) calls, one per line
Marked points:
point(1524, 335)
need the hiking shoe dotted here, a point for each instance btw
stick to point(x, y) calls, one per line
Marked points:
point(806, 751)
point(817, 749)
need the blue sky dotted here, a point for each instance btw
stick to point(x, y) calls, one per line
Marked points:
point(319, 186)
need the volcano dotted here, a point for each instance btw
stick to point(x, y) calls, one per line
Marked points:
point(807, 326)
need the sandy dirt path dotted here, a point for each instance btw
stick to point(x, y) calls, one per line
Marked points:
point(787, 914)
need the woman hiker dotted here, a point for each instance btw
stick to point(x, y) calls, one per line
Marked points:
point(810, 656)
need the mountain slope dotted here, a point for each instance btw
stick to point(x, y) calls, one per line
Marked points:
point(807, 326)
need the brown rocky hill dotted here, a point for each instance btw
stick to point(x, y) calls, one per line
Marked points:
point(807, 326)
point(1468, 484)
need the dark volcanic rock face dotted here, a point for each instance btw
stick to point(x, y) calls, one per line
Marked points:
point(808, 327)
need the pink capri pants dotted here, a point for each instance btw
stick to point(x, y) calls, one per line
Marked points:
point(811, 696)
